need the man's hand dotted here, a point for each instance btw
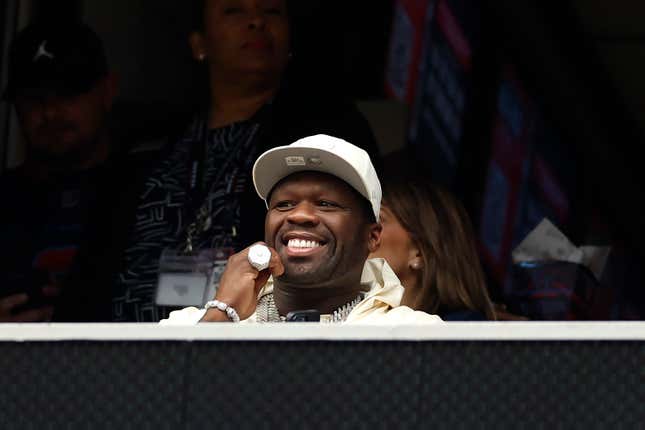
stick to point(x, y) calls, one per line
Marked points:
point(9, 304)
point(240, 284)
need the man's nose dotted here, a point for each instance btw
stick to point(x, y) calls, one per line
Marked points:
point(257, 19)
point(303, 213)
point(50, 108)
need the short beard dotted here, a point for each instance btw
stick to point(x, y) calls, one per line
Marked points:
point(307, 277)
point(304, 278)
point(73, 158)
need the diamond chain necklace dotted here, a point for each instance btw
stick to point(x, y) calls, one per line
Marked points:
point(267, 310)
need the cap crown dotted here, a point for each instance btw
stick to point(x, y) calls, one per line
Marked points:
point(319, 153)
point(68, 59)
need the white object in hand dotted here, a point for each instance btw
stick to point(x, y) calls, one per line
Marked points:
point(259, 256)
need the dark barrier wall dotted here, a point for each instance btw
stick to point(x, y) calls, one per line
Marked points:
point(322, 384)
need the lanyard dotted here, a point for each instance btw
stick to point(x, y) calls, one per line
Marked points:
point(195, 188)
point(197, 166)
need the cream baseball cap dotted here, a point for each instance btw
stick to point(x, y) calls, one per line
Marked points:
point(319, 153)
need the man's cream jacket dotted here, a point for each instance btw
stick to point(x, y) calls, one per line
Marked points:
point(382, 304)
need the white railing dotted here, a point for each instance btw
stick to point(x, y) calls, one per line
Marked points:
point(454, 331)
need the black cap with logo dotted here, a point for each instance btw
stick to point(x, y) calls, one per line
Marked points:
point(64, 59)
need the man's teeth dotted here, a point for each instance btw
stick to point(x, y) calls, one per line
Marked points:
point(297, 243)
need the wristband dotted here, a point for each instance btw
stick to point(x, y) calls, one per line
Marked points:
point(230, 312)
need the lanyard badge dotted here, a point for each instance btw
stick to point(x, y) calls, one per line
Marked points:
point(190, 279)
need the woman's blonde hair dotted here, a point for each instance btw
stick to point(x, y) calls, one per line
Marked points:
point(451, 275)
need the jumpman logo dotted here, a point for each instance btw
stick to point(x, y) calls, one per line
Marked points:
point(42, 52)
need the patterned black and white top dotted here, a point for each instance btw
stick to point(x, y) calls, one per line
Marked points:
point(163, 216)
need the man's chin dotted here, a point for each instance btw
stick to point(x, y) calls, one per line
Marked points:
point(302, 275)
point(53, 154)
point(59, 161)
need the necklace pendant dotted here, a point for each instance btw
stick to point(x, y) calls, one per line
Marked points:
point(326, 319)
point(268, 312)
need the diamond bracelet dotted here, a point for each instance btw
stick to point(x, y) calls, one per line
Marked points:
point(230, 312)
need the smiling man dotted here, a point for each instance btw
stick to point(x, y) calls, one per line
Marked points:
point(323, 198)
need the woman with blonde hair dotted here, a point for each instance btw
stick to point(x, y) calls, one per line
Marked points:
point(428, 241)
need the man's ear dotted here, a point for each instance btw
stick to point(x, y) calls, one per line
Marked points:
point(197, 45)
point(111, 89)
point(374, 236)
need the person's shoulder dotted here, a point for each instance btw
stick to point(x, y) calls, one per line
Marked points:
point(395, 315)
point(14, 180)
point(25, 198)
point(10, 175)
point(146, 153)
point(139, 155)
point(142, 134)
point(403, 315)
point(463, 315)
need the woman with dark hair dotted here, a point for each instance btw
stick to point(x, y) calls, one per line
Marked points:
point(428, 241)
point(200, 196)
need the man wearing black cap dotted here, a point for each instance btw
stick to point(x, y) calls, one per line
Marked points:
point(62, 91)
